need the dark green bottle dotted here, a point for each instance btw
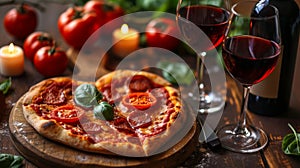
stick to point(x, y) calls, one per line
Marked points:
point(272, 97)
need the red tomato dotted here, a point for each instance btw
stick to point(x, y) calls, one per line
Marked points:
point(66, 114)
point(50, 61)
point(99, 8)
point(160, 32)
point(139, 100)
point(21, 21)
point(77, 24)
point(113, 12)
point(106, 12)
point(35, 41)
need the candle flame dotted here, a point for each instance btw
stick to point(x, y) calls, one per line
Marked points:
point(124, 29)
point(11, 48)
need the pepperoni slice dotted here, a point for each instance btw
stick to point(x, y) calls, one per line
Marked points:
point(67, 114)
point(110, 94)
point(139, 119)
point(91, 127)
point(139, 83)
point(121, 124)
point(139, 100)
point(54, 94)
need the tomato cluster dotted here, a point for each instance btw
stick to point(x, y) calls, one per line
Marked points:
point(39, 47)
point(48, 59)
point(35, 41)
point(87, 19)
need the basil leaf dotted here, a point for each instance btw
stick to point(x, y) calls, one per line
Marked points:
point(87, 95)
point(176, 73)
point(291, 144)
point(11, 161)
point(5, 85)
point(104, 111)
point(169, 77)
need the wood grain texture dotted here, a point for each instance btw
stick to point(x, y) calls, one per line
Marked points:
point(46, 153)
point(276, 128)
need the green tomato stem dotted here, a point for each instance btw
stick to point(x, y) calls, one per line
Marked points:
point(52, 50)
point(44, 38)
point(77, 15)
point(21, 8)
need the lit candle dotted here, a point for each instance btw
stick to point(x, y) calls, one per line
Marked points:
point(11, 60)
point(126, 39)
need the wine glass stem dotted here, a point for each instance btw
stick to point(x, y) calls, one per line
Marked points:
point(242, 123)
point(200, 71)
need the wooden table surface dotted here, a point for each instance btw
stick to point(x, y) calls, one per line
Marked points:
point(275, 127)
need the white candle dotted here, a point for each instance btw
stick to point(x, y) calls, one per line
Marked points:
point(11, 60)
point(126, 39)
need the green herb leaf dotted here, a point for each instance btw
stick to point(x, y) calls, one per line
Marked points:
point(176, 73)
point(11, 161)
point(87, 95)
point(147, 5)
point(5, 85)
point(291, 143)
point(104, 111)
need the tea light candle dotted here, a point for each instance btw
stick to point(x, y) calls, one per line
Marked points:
point(11, 60)
point(126, 40)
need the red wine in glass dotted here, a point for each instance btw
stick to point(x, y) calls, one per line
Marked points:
point(250, 59)
point(250, 53)
point(203, 26)
point(211, 20)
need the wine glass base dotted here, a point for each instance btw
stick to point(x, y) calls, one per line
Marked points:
point(209, 103)
point(252, 140)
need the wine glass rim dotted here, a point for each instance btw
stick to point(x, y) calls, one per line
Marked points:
point(276, 13)
point(212, 6)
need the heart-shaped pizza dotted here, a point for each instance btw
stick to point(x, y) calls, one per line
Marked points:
point(125, 112)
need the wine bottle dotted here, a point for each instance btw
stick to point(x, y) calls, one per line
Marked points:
point(271, 96)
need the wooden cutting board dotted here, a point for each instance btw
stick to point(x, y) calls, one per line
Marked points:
point(46, 153)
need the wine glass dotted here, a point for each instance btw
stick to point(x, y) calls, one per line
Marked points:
point(250, 52)
point(212, 19)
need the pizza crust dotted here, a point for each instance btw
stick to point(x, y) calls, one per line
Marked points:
point(108, 78)
point(51, 130)
point(174, 129)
